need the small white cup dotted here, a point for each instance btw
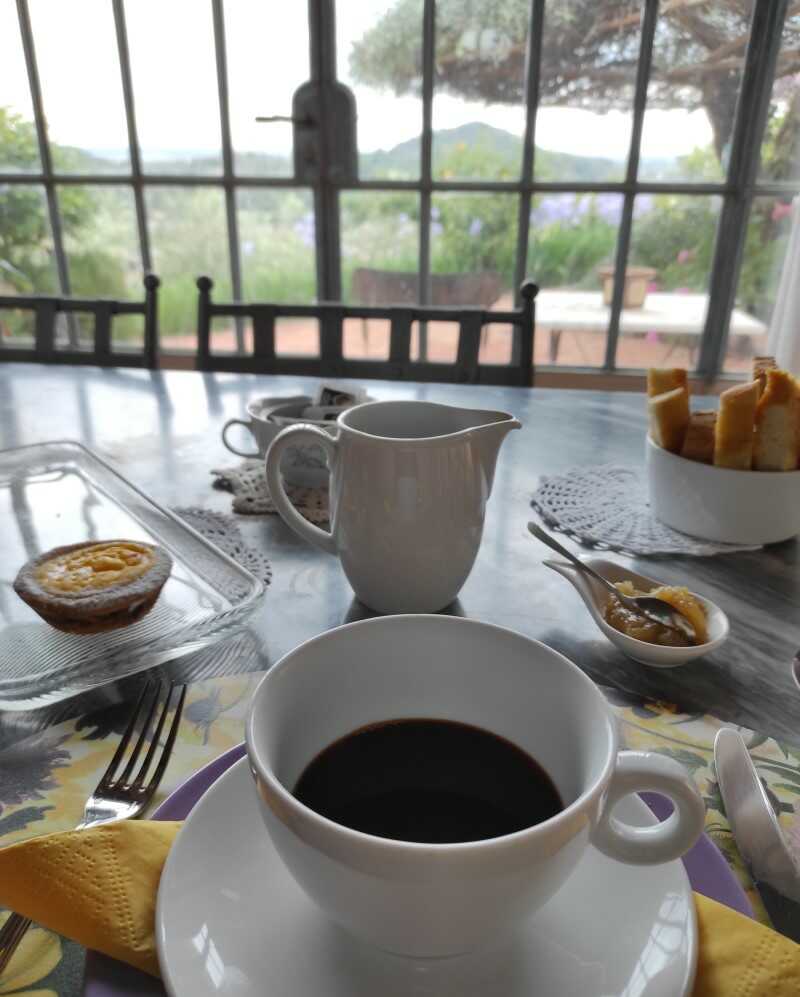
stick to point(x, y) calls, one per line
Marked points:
point(445, 899)
point(302, 464)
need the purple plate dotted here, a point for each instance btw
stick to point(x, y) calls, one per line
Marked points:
point(706, 867)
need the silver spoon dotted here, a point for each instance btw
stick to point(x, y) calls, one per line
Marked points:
point(656, 610)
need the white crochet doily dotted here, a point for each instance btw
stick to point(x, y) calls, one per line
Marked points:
point(222, 531)
point(248, 483)
point(607, 506)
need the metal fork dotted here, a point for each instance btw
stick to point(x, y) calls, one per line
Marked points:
point(117, 797)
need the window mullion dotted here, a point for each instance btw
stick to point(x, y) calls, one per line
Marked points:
point(62, 269)
point(533, 61)
point(763, 47)
point(133, 135)
point(426, 167)
point(218, 14)
point(643, 66)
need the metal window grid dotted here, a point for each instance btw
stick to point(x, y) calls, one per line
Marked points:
point(736, 191)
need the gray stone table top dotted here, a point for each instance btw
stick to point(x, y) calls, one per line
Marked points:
point(162, 430)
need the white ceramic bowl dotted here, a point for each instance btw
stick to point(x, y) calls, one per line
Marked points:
point(595, 597)
point(717, 503)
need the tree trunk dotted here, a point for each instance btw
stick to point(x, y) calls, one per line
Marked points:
point(719, 100)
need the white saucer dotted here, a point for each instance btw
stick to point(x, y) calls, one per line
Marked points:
point(231, 921)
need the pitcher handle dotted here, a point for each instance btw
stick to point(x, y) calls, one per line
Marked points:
point(288, 437)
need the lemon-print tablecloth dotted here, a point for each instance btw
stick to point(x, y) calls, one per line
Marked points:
point(45, 779)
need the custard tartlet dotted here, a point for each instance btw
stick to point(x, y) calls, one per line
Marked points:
point(91, 587)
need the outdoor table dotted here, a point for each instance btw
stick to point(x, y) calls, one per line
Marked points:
point(679, 316)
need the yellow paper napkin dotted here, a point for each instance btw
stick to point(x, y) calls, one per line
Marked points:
point(99, 886)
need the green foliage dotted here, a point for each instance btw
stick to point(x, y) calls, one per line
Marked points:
point(25, 254)
point(676, 238)
point(470, 232)
point(563, 255)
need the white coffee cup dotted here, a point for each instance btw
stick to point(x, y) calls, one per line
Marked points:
point(445, 899)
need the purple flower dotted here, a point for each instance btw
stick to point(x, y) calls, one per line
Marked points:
point(436, 228)
point(608, 208)
point(643, 205)
point(475, 227)
point(435, 214)
point(304, 229)
point(685, 255)
point(553, 210)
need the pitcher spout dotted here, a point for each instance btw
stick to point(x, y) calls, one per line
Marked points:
point(489, 438)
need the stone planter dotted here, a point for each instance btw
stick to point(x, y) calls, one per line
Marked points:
point(636, 281)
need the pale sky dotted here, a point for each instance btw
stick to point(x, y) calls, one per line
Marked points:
point(174, 73)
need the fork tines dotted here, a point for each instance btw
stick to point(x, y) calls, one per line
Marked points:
point(156, 701)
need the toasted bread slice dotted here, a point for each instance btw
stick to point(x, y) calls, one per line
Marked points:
point(760, 367)
point(660, 380)
point(775, 447)
point(733, 446)
point(669, 417)
point(698, 443)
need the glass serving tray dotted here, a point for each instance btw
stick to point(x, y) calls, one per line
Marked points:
point(59, 493)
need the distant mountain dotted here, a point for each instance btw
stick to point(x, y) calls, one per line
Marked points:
point(505, 148)
point(485, 153)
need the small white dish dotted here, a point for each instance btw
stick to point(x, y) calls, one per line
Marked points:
point(718, 503)
point(232, 922)
point(595, 597)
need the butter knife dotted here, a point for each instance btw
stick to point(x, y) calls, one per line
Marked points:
point(757, 833)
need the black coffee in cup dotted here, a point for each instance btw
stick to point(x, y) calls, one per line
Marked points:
point(427, 780)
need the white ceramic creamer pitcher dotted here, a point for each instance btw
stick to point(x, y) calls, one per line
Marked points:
point(408, 490)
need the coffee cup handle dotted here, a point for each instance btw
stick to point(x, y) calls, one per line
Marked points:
point(290, 437)
point(643, 771)
point(229, 445)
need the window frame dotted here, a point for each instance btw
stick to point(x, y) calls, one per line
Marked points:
point(737, 191)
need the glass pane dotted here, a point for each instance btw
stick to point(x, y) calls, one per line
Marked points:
point(496, 342)
point(101, 241)
point(589, 57)
point(127, 332)
point(380, 247)
point(17, 328)
point(672, 245)
point(780, 151)
point(473, 245)
point(265, 67)
point(276, 232)
point(174, 69)
point(765, 248)
point(76, 53)
point(366, 339)
point(571, 237)
point(436, 342)
point(223, 335)
point(297, 337)
point(74, 331)
point(188, 238)
point(479, 90)
point(691, 98)
point(27, 262)
point(19, 151)
point(379, 47)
